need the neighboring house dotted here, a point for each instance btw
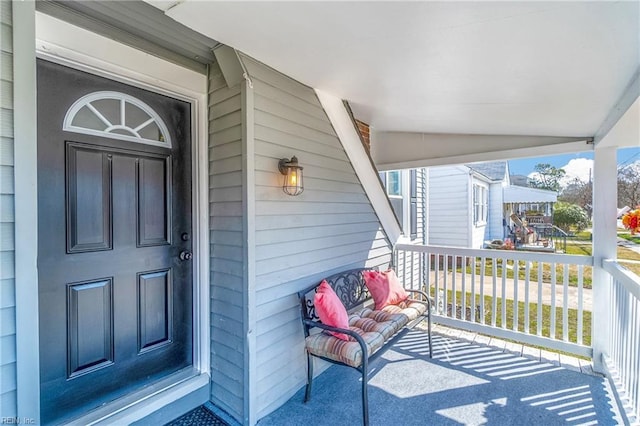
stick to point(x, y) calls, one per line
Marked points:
point(470, 204)
point(407, 193)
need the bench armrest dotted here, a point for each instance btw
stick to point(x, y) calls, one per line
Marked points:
point(426, 297)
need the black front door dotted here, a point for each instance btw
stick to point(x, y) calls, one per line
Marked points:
point(114, 229)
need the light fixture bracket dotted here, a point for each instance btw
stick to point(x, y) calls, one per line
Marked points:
point(285, 163)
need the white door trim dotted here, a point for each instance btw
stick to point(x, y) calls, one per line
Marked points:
point(68, 45)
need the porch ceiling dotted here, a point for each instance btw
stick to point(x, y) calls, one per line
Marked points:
point(494, 68)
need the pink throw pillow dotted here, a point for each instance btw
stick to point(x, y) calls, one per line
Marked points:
point(385, 288)
point(330, 309)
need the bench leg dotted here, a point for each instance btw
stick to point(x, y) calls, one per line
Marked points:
point(429, 335)
point(307, 392)
point(365, 396)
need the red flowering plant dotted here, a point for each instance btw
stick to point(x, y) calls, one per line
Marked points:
point(631, 220)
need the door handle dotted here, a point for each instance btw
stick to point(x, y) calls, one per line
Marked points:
point(185, 255)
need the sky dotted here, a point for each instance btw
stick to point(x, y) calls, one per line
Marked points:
point(576, 165)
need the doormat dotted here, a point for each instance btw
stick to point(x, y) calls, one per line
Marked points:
point(199, 416)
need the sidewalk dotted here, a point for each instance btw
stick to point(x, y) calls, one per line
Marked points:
point(629, 245)
point(510, 289)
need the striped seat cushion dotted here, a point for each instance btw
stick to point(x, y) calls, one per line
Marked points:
point(350, 353)
point(386, 328)
point(406, 311)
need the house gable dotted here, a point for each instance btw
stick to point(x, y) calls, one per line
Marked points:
point(267, 245)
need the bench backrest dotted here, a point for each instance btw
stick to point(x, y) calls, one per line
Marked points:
point(348, 285)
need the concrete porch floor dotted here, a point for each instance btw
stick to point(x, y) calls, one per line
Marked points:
point(471, 380)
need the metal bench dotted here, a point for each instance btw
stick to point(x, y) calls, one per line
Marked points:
point(364, 323)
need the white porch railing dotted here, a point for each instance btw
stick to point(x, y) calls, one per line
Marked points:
point(536, 298)
point(623, 354)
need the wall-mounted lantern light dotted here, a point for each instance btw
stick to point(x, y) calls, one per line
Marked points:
point(292, 172)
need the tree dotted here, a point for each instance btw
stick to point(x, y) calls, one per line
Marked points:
point(567, 215)
point(547, 177)
point(580, 193)
point(629, 185)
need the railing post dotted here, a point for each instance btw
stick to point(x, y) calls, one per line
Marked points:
point(605, 201)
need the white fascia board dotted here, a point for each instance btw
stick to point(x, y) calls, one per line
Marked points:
point(623, 114)
point(626, 131)
point(399, 150)
point(368, 175)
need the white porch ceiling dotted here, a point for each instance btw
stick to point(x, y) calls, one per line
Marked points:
point(488, 68)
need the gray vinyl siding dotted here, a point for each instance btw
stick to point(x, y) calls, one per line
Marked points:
point(299, 240)
point(7, 267)
point(226, 244)
point(449, 207)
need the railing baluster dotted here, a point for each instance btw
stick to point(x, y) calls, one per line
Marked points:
point(636, 357)
point(539, 313)
point(473, 289)
point(580, 303)
point(436, 265)
point(516, 272)
point(527, 278)
point(464, 287)
point(427, 269)
point(504, 293)
point(494, 300)
point(565, 303)
point(404, 265)
point(446, 278)
point(552, 328)
point(483, 264)
point(454, 311)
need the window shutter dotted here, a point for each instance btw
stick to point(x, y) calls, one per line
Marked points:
point(413, 204)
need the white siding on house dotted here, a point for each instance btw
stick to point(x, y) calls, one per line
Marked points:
point(330, 227)
point(495, 228)
point(479, 230)
point(448, 204)
point(7, 283)
point(227, 244)
point(411, 267)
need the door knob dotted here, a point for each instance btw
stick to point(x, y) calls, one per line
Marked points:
point(185, 255)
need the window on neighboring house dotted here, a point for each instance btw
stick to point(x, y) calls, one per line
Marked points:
point(394, 183)
point(403, 198)
point(480, 204)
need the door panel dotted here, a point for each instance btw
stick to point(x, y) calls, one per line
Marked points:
point(89, 326)
point(89, 200)
point(153, 222)
point(154, 310)
point(115, 298)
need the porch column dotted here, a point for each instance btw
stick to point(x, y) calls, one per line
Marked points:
point(605, 199)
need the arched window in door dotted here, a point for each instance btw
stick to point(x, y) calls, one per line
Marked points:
point(118, 116)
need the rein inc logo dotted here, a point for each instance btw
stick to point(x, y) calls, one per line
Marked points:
point(17, 421)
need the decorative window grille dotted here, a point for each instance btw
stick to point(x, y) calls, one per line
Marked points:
point(118, 116)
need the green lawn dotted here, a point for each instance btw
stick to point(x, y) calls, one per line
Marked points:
point(623, 254)
point(533, 317)
point(627, 236)
point(533, 271)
